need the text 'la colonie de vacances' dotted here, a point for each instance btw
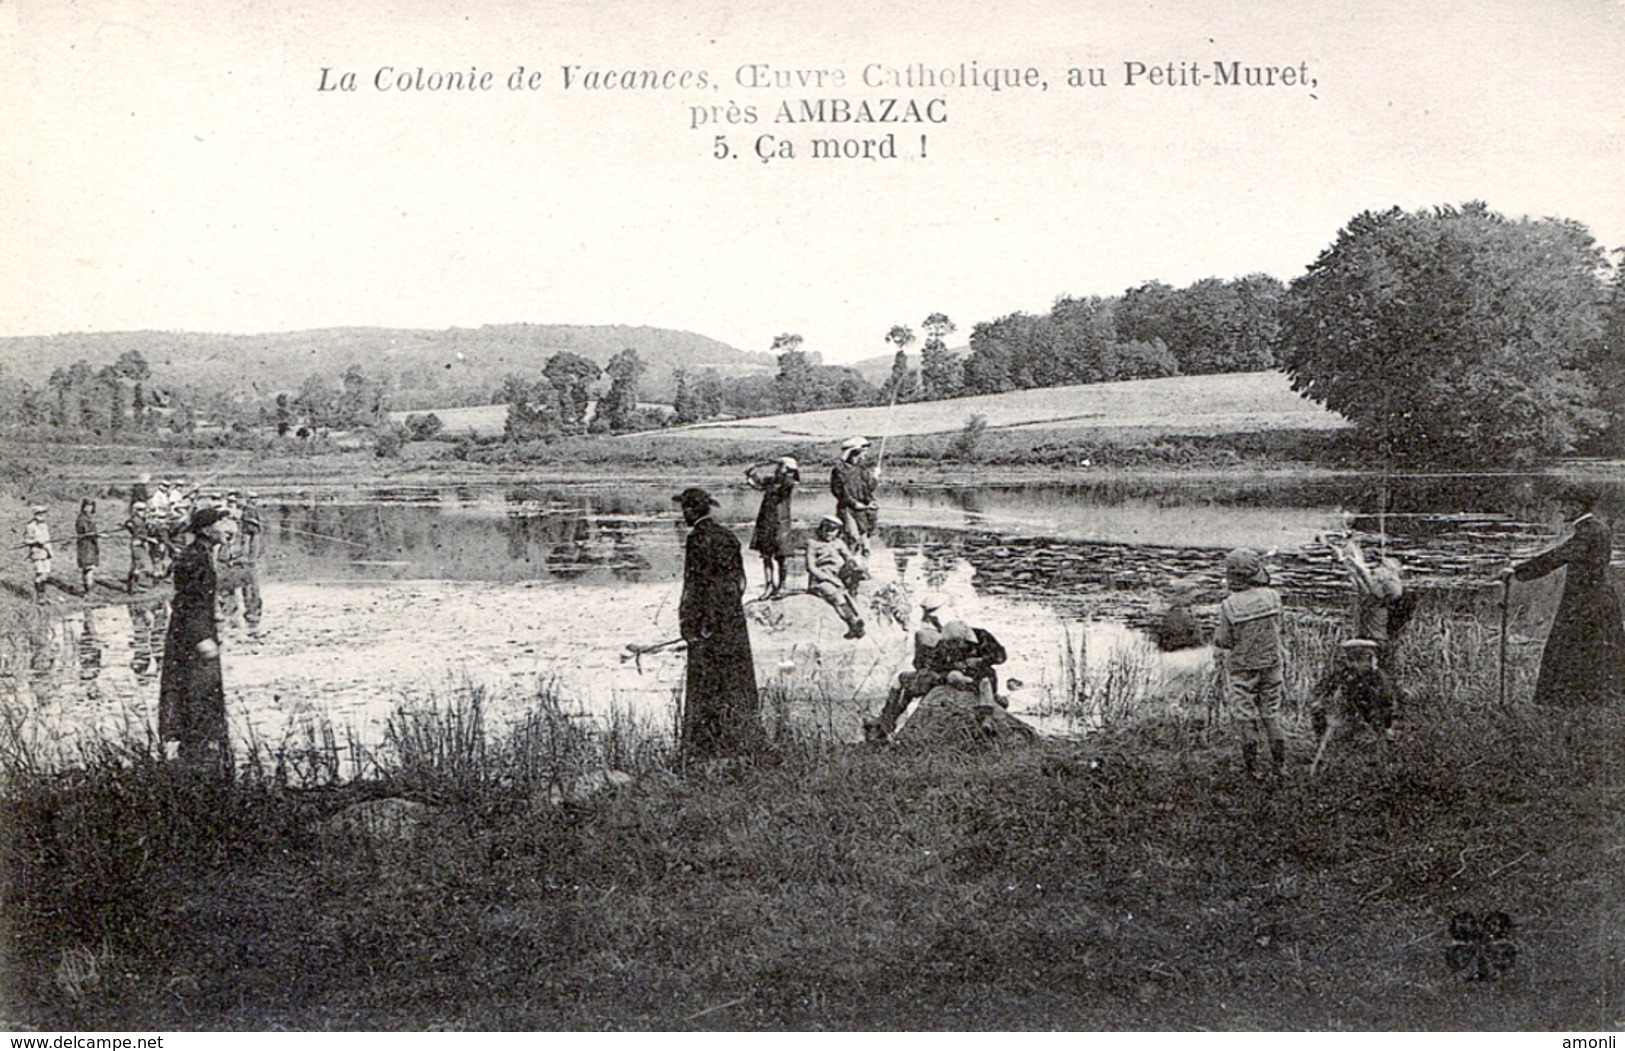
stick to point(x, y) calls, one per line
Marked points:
point(871, 111)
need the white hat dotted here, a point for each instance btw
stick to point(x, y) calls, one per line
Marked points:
point(857, 441)
point(39, 509)
point(933, 601)
point(790, 462)
point(830, 520)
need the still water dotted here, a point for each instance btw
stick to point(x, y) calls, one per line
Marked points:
point(379, 596)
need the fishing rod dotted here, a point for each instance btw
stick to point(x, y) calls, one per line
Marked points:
point(635, 652)
point(880, 458)
point(321, 536)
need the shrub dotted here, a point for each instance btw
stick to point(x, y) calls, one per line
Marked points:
point(388, 440)
point(423, 427)
point(968, 442)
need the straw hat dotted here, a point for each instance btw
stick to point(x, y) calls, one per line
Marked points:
point(1246, 566)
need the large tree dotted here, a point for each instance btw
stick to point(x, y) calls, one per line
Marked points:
point(618, 408)
point(360, 402)
point(572, 376)
point(904, 383)
point(1608, 366)
point(1453, 334)
point(1210, 326)
point(533, 410)
point(942, 374)
point(793, 387)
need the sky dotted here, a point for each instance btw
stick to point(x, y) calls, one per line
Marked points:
point(179, 165)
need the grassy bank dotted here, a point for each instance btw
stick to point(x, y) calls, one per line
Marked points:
point(61, 472)
point(1132, 879)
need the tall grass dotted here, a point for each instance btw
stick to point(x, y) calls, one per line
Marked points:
point(1130, 878)
point(1446, 659)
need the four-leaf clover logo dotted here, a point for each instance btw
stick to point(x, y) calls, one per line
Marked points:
point(1482, 949)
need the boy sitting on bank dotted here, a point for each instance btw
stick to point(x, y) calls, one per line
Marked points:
point(1355, 692)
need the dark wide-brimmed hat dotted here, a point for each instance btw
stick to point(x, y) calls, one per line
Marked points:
point(696, 498)
point(208, 517)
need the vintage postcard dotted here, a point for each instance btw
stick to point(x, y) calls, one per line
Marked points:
point(536, 515)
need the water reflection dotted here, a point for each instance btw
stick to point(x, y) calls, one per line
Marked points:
point(1098, 532)
point(149, 623)
point(520, 582)
point(90, 648)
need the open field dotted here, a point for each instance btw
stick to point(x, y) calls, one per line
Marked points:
point(1243, 402)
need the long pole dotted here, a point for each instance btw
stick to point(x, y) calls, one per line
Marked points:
point(885, 435)
point(1506, 602)
point(320, 536)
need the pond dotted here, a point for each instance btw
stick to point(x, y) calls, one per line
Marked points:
point(375, 596)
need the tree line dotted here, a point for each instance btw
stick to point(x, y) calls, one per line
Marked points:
point(1449, 334)
point(1151, 331)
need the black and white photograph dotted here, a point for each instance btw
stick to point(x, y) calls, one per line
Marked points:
point(531, 516)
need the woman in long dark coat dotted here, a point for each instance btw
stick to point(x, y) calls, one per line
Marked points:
point(1584, 658)
point(772, 537)
point(191, 693)
point(721, 710)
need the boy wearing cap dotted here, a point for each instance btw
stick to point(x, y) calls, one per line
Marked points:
point(37, 538)
point(1356, 691)
point(239, 574)
point(853, 485)
point(1247, 644)
point(833, 573)
point(721, 709)
point(946, 653)
point(140, 548)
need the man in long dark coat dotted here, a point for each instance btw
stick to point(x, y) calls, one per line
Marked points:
point(721, 712)
point(191, 693)
point(1584, 658)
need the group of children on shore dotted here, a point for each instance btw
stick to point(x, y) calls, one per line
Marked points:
point(158, 527)
point(1248, 647)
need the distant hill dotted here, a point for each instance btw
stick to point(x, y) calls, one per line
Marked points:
point(420, 367)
